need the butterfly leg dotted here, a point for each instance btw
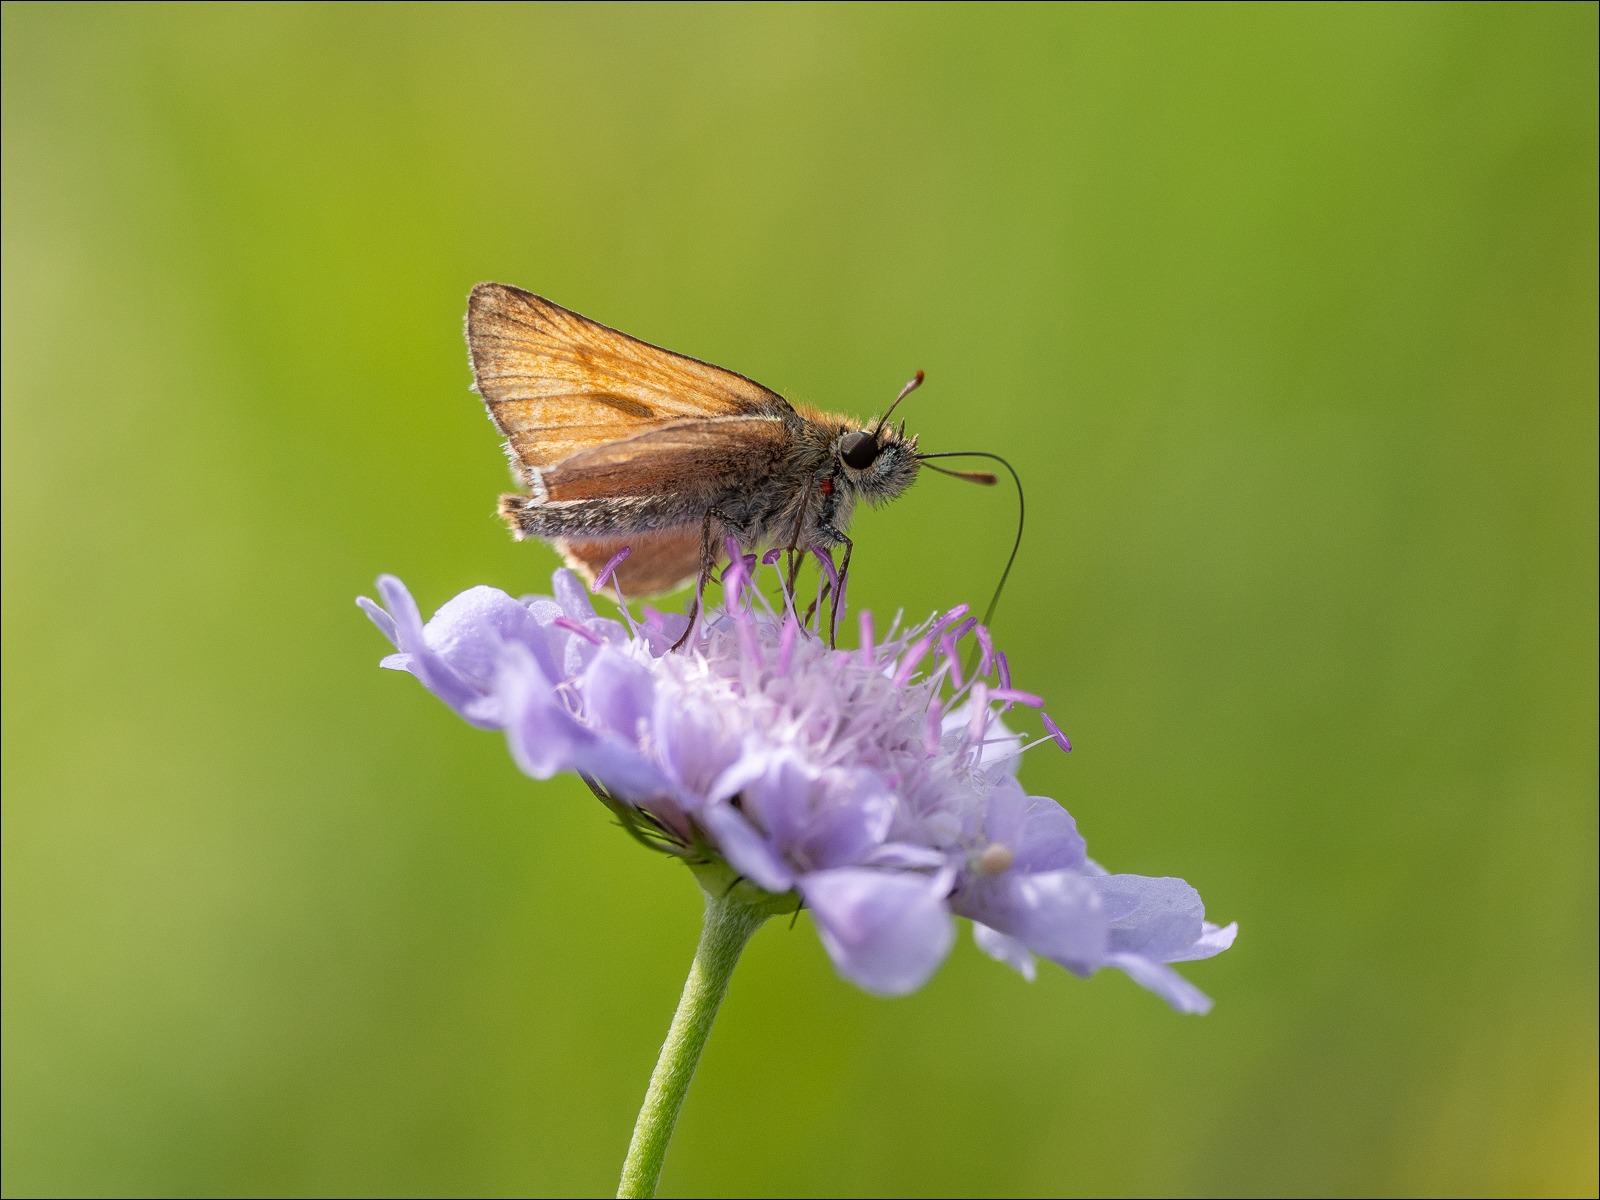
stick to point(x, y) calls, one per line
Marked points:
point(844, 575)
point(708, 559)
point(708, 563)
point(797, 556)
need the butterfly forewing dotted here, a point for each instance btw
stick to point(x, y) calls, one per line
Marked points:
point(557, 383)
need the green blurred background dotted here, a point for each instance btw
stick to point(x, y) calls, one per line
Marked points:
point(1287, 317)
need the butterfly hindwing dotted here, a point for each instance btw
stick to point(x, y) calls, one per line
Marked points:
point(663, 561)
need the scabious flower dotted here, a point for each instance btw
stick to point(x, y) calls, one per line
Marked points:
point(877, 786)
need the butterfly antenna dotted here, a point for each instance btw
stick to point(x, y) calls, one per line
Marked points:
point(911, 386)
point(985, 477)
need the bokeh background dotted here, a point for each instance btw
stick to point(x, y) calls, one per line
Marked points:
point(1287, 316)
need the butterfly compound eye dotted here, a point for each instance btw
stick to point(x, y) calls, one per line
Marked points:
point(858, 450)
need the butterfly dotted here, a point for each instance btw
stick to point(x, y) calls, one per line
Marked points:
point(619, 443)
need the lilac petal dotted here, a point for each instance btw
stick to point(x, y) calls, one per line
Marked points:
point(542, 609)
point(1214, 939)
point(543, 736)
point(1004, 949)
point(865, 621)
point(778, 794)
point(1054, 731)
point(428, 666)
point(695, 747)
point(572, 595)
point(661, 631)
point(746, 849)
point(395, 662)
point(1163, 981)
point(750, 766)
point(381, 619)
point(402, 608)
point(903, 854)
point(1005, 813)
point(1156, 918)
point(576, 643)
point(623, 769)
point(886, 932)
point(847, 834)
point(1056, 913)
point(1049, 839)
point(618, 695)
point(1064, 919)
point(469, 630)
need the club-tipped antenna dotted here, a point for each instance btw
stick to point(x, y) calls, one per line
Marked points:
point(985, 477)
point(911, 386)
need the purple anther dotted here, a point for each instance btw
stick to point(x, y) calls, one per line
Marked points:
point(949, 619)
point(866, 635)
point(771, 556)
point(947, 647)
point(1055, 732)
point(733, 581)
point(749, 642)
point(980, 711)
point(587, 634)
point(791, 630)
point(612, 564)
point(1012, 696)
point(910, 660)
point(961, 630)
point(1003, 667)
point(985, 641)
point(826, 559)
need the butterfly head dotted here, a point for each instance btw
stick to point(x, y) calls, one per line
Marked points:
point(877, 464)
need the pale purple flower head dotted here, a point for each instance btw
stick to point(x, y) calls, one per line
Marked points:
point(877, 785)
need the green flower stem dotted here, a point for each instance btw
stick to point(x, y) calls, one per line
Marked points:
point(734, 911)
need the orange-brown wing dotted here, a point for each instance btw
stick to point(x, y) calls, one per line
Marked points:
point(556, 382)
point(695, 462)
point(663, 561)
